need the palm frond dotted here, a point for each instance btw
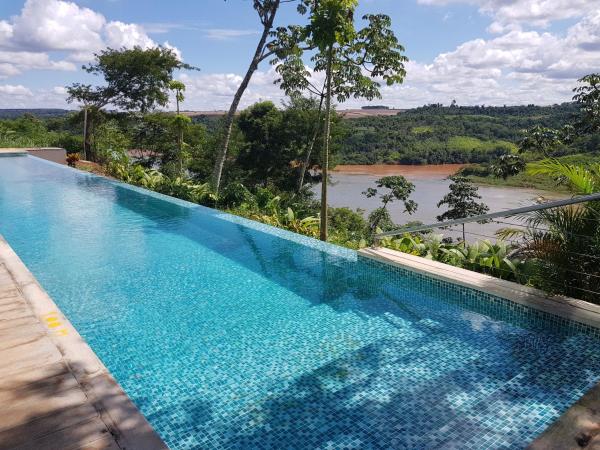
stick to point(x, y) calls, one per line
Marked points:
point(580, 178)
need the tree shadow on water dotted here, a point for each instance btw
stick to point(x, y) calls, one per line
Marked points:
point(354, 402)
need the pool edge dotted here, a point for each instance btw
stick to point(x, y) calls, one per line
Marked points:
point(127, 424)
point(562, 306)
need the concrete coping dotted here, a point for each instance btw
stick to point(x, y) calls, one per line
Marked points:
point(12, 151)
point(562, 306)
point(129, 427)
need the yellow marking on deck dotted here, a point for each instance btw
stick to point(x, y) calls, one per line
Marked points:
point(53, 320)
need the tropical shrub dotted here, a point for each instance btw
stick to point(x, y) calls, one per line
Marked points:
point(154, 180)
point(72, 159)
point(496, 259)
point(562, 245)
point(110, 143)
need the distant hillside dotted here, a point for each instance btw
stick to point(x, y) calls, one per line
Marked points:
point(39, 112)
point(437, 134)
point(431, 134)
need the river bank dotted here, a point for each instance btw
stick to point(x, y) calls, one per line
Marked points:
point(437, 171)
point(409, 171)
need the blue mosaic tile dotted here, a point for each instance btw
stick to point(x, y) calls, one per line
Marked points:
point(229, 334)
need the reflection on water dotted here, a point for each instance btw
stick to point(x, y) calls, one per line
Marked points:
point(430, 186)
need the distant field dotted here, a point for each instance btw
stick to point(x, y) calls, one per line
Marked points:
point(346, 113)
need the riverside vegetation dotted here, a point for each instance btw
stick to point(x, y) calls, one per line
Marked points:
point(273, 155)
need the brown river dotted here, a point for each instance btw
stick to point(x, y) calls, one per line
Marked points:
point(348, 183)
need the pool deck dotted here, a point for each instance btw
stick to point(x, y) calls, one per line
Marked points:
point(55, 393)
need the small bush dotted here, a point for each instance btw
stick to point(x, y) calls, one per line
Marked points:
point(72, 159)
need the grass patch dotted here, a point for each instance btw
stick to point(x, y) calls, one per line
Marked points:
point(521, 181)
point(469, 144)
point(542, 182)
point(422, 129)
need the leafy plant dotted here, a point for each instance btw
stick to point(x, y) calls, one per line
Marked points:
point(353, 62)
point(397, 188)
point(507, 166)
point(587, 95)
point(179, 187)
point(72, 159)
point(563, 244)
point(461, 201)
point(496, 259)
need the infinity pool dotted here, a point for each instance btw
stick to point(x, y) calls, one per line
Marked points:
point(229, 334)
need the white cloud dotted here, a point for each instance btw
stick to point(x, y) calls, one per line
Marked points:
point(224, 34)
point(585, 35)
point(129, 35)
point(15, 90)
point(59, 90)
point(507, 13)
point(516, 67)
point(215, 91)
point(6, 32)
point(47, 26)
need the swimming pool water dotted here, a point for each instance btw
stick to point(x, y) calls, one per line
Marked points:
point(229, 334)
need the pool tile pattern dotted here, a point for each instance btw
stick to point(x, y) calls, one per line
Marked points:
point(229, 334)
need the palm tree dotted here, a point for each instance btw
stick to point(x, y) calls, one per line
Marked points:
point(563, 244)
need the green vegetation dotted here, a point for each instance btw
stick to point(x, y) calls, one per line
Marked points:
point(495, 259)
point(461, 201)
point(484, 176)
point(353, 61)
point(134, 80)
point(266, 11)
point(397, 188)
point(436, 134)
point(562, 245)
point(558, 248)
point(30, 131)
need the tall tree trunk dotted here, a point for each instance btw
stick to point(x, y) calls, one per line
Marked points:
point(85, 132)
point(379, 216)
point(89, 139)
point(310, 148)
point(179, 138)
point(326, 137)
point(218, 169)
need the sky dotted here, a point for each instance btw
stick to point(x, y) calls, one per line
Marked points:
point(491, 52)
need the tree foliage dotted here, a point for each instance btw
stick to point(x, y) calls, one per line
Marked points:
point(395, 188)
point(135, 79)
point(587, 95)
point(275, 141)
point(267, 11)
point(352, 61)
point(461, 201)
point(508, 165)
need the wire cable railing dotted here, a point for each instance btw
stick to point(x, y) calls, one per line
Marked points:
point(495, 215)
point(534, 245)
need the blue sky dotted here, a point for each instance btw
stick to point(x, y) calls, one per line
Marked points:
point(475, 51)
